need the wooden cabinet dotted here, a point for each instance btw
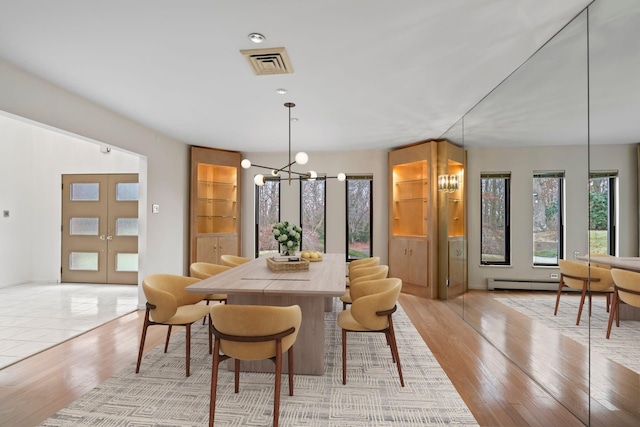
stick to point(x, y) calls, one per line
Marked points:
point(412, 217)
point(215, 204)
point(452, 242)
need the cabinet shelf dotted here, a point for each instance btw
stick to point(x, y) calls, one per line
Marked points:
point(228, 184)
point(414, 199)
point(216, 216)
point(210, 200)
point(422, 181)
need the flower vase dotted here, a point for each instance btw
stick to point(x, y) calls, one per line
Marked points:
point(289, 251)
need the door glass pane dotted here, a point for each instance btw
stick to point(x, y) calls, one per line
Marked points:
point(83, 261)
point(83, 226)
point(127, 191)
point(126, 226)
point(126, 262)
point(83, 192)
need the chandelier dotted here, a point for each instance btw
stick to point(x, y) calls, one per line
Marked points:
point(300, 158)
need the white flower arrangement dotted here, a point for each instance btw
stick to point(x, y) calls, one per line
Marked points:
point(287, 235)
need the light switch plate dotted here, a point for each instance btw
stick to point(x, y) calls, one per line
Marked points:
point(155, 209)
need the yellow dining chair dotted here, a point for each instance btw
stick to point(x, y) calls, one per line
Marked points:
point(360, 263)
point(363, 274)
point(168, 303)
point(233, 260)
point(587, 279)
point(203, 270)
point(253, 332)
point(627, 290)
point(374, 302)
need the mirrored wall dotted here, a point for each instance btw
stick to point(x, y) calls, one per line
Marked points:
point(564, 122)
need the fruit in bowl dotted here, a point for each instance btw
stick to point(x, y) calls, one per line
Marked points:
point(311, 255)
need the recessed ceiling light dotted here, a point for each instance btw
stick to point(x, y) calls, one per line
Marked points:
point(257, 37)
point(281, 91)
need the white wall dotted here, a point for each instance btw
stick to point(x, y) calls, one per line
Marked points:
point(330, 163)
point(164, 162)
point(522, 162)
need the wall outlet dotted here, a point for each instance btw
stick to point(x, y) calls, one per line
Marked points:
point(553, 275)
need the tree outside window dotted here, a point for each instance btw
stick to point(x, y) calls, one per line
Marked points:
point(267, 214)
point(359, 216)
point(312, 214)
point(495, 219)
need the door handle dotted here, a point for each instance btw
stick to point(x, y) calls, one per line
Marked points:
point(102, 237)
point(109, 237)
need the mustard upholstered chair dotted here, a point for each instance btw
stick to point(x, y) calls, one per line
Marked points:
point(253, 332)
point(587, 279)
point(374, 302)
point(203, 270)
point(360, 263)
point(233, 260)
point(363, 274)
point(168, 303)
point(627, 290)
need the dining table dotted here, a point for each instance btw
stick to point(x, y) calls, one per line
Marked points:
point(254, 283)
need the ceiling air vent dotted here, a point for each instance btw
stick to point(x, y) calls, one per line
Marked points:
point(268, 61)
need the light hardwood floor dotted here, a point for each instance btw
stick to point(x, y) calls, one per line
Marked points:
point(496, 391)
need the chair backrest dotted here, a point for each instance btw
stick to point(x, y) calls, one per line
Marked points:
point(369, 273)
point(364, 262)
point(233, 260)
point(600, 278)
point(255, 321)
point(374, 296)
point(202, 270)
point(628, 284)
point(167, 292)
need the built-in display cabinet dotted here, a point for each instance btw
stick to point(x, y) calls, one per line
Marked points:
point(427, 244)
point(215, 204)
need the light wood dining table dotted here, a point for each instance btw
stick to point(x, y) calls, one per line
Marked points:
point(255, 284)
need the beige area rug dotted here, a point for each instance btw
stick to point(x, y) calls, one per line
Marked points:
point(623, 347)
point(161, 395)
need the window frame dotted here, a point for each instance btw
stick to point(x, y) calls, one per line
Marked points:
point(506, 176)
point(324, 208)
point(560, 175)
point(358, 177)
point(257, 191)
point(612, 177)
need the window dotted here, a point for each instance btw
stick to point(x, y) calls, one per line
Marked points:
point(495, 219)
point(267, 214)
point(312, 214)
point(548, 225)
point(602, 213)
point(359, 216)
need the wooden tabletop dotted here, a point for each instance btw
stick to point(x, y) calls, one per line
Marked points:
point(624, 263)
point(325, 278)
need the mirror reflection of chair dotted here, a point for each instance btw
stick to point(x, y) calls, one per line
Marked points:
point(576, 275)
point(627, 290)
point(233, 260)
point(203, 270)
point(253, 332)
point(363, 274)
point(168, 303)
point(374, 302)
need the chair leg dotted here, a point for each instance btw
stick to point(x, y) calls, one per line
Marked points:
point(344, 356)
point(290, 360)
point(394, 350)
point(614, 309)
point(608, 301)
point(276, 395)
point(236, 375)
point(558, 297)
point(584, 294)
point(166, 344)
point(188, 344)
point(142, 340)
point(214, 382)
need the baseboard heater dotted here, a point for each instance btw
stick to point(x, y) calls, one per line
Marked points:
point(522, 284)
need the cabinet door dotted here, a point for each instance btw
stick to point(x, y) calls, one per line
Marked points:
point(456, 267)
point(418, 262)
point(207, 249)
point(398, 259)
point(227, 245)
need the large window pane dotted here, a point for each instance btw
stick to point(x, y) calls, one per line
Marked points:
point(602, 213)
point(359, 216)
point(267, 214)
point(495, 240)
point(547, 218)
point(312, 214)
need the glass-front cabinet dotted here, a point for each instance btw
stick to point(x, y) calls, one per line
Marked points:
point(215, 204)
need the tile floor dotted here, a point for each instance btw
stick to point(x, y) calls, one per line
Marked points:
point(36, 316)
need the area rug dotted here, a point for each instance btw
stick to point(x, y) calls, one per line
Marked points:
point(623, 347)
point(161, 395)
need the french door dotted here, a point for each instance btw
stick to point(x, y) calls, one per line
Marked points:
point(100, 228)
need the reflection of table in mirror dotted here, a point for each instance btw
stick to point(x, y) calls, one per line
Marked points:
point(253, 283)
point(627, 312)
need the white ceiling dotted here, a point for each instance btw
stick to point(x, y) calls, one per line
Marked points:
point(368, 74)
